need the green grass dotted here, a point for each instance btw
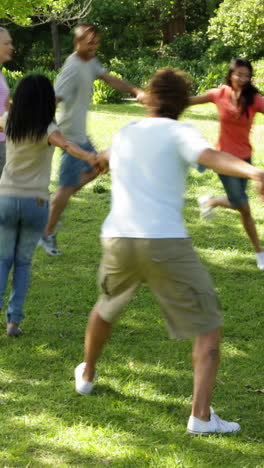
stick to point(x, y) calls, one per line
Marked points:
point(137, 416)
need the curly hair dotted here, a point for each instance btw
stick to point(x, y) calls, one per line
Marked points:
point(168, 91)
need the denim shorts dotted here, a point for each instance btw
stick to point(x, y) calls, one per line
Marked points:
point(71, 168)
point(235, 188)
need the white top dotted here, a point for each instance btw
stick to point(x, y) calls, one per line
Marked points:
point(28, 166)
point(74, 85)
point(149, 162)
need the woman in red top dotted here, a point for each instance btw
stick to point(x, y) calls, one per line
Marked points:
point(237, 102)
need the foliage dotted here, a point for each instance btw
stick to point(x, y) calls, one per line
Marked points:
point(240, 24)
point(21, 12)
point(259, 75)
point(104, 93)
point(13, 77)
point(187, 46)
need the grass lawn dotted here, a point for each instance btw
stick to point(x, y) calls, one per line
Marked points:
point(138, 413)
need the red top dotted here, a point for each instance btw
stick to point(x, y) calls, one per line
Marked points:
point(234, 128)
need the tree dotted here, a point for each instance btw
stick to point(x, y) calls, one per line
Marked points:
point(22, 11)
point(54, 12)
point(240, 24)
point(165, 18)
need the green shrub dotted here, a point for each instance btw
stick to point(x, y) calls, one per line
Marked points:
point(12, 78)
point(103, 93)
point(258, 68)
point(188, 46)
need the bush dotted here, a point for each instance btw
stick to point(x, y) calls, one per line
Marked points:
point(103, 93)
point(14, 77)
point(188, 46)
point(258, 68)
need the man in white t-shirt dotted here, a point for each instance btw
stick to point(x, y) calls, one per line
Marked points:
point(74, 89)
point(144, 240)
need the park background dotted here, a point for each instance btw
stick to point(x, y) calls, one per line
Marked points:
point(138, 413)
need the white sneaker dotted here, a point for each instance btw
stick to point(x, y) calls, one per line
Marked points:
point(205, 209)
point(82, 386)
point(49, 244)
point(260, 260)
point(214, 426)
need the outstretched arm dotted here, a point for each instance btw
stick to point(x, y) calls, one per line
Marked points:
point(123, 86)
point(227, 164)
point(202, 99)
point(57, 139)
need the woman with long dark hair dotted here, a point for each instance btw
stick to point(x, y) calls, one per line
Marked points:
point(237, 102)
point(24, 207)
point(6, 50)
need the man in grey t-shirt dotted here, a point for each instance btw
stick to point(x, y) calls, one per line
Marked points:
point(74, 88)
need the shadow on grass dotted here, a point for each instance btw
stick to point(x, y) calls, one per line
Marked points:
point(138, 414)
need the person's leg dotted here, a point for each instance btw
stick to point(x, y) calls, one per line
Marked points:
point(191, 308)
point(74, 174)
point(203, 419)
point(61, 198)
point(118, 279)
point(219, 201)
point(8, 234)
point(57, 206)
point(249, 226)
point(205, 364)
point(33, 214)
point(97, 334)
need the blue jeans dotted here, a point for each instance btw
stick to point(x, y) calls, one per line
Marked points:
point(22, 221)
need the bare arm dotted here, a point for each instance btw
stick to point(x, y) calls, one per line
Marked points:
point(122, 86)
point(225, 163)
point(202, 99)
point(57, 139)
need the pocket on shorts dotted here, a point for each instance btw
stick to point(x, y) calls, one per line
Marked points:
point(210, 309)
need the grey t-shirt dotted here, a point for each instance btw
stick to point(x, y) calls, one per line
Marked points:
point(74, 86)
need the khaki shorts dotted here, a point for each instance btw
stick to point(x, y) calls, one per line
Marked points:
point(173, 272)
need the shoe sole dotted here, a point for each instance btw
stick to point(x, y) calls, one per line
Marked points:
point(210, 433)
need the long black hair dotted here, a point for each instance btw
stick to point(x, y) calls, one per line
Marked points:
point(33, 109)
point(249, 91)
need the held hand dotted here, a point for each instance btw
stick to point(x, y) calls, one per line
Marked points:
point(102, 162)
point(91, 158)
point(141, 96)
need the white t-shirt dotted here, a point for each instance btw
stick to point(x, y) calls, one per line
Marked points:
point(74, 85)
point(149, 162)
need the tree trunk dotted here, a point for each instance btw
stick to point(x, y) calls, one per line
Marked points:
point(176, 25)
point(55, 44)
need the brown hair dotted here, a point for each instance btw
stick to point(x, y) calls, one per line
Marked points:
point(169, 91)
point(81, 31)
